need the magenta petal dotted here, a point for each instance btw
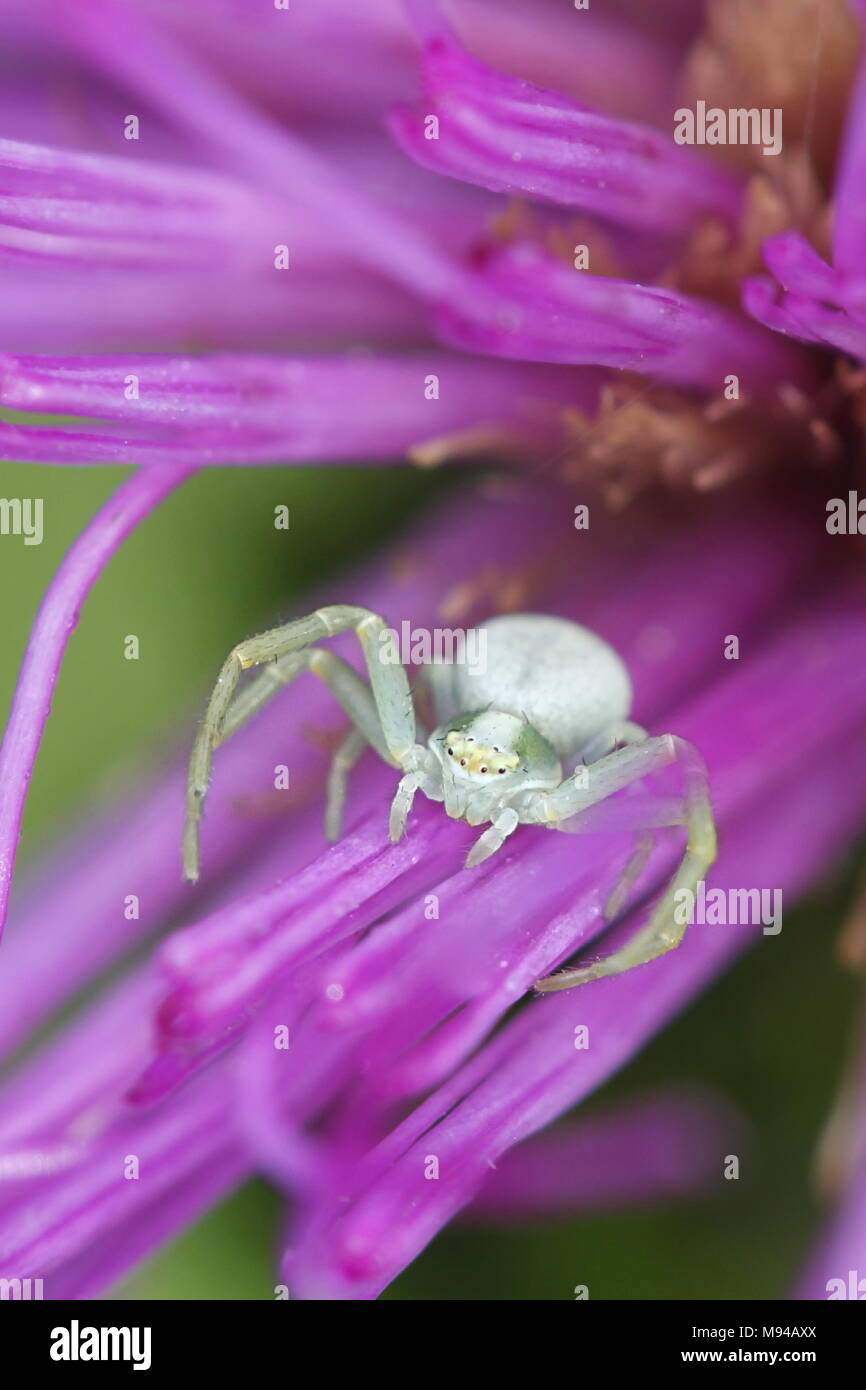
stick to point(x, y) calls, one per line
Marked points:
point(547, 312)
point(54, 624)
point(665, 1145)
point(837, 1269)
point(131, 49)
point(52, 309)
point(512, 137)
point(849, 211)
point(802, 317)
point(247, 409)
point(817, 302)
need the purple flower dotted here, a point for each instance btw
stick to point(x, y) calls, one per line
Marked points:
point(358, 1022)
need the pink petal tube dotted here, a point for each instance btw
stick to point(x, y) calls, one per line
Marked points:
point(54, 625)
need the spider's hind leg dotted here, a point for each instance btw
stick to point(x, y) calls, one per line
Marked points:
point(621, 735)
point(665, 929)
point(634, 867)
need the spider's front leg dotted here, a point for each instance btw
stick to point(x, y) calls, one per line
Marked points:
point(693, 810)
point(420, 773)
point(382, 712)
point(493, 838)
point(345, 757)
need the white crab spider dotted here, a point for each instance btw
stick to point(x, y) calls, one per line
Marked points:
point(552, 696)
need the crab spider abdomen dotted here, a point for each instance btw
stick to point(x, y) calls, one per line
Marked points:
point(565, 680)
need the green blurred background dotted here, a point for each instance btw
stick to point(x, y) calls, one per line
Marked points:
point(771, 1036)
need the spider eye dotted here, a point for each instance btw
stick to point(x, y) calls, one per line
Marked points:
point(462, 762)
point(451, 752)
point(501, 770)
point(484, 769)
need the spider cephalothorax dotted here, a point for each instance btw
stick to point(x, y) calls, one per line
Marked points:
point(538, 736)
point(488, 758)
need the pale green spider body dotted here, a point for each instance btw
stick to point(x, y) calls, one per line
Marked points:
point(538, 736)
